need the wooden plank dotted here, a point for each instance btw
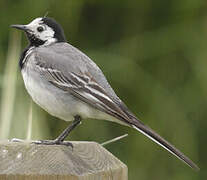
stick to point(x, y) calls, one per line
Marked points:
point(86, 161)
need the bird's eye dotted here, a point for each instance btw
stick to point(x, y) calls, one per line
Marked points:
point(40, 29)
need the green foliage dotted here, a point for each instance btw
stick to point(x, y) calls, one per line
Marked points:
point(154, 55)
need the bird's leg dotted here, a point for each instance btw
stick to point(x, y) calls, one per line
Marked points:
point(64, 134)
point(60, 139)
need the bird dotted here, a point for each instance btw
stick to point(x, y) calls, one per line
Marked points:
point(67, 84)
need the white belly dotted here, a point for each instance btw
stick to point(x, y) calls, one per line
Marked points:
point(58, 102)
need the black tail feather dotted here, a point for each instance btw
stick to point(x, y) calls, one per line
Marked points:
point(162, 142)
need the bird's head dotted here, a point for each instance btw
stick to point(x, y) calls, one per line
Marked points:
point(42, 31)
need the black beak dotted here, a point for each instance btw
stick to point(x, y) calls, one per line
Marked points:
point(18, 26)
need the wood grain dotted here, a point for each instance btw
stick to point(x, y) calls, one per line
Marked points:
point(86, 161)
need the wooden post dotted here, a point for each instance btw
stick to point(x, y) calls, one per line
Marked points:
point(86, 161)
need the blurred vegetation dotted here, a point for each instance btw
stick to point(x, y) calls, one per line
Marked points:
point(154, 54)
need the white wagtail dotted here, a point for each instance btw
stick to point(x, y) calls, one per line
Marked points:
point(69, 85)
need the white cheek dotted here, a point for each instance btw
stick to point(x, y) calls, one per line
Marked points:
point(46, 34)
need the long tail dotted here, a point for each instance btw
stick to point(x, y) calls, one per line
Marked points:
point(139, 126)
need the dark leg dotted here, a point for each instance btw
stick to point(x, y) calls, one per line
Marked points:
point(64, 134)
point(60, 139)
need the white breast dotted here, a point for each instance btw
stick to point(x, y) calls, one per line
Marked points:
point(56, 102)
point(44, 97)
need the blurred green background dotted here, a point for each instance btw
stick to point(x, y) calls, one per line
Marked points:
point(154, 54)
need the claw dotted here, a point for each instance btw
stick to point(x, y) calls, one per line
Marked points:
point(46, 142)
point(53, 142)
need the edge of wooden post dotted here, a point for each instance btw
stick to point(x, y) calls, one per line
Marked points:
point(86, 160)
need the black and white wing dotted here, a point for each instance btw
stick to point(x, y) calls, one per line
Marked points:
point(84, 87)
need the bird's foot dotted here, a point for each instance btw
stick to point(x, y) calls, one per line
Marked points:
point(53, 142)
point(45, 142)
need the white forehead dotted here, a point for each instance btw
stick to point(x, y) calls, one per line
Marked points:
point(36, 22)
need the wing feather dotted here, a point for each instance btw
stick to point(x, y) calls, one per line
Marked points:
point(84, 87)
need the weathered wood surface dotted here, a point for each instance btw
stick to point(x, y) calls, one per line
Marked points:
point(86, 161)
